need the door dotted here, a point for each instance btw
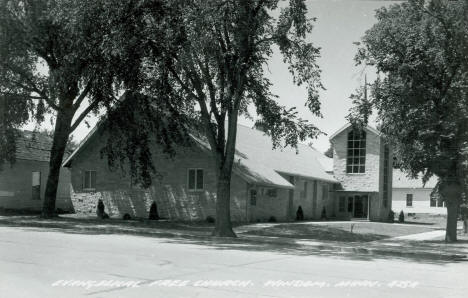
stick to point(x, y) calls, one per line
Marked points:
point(360, 206)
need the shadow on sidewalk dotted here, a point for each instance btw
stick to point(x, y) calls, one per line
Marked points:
point(433, 252)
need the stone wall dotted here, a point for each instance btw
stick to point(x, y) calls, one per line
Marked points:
point(368, 181)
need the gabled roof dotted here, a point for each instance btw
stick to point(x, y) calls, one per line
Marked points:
point(368, 128)
point(80, 147)
point(33, 146)
point(256, 162)
point(401, 180)
point(258, 147)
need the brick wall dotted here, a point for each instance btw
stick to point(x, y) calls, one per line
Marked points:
point(16, 186)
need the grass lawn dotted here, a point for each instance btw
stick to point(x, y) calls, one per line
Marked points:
point(434, 220)
point(340, 231)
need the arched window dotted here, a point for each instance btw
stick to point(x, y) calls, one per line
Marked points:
point(356, 158)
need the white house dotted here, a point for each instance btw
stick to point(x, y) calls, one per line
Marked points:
point(411, 196)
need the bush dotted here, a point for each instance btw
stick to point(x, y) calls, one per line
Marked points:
point(272, 219)
point(210, 219)
point(100, 210)
point(127, 216)
point(401, 217)
point(299, 213)
point(153, 213)
point(391, 216)
point(324, 213)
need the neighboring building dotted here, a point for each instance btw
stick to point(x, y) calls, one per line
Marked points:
point(265, 183)
point(412, 196)
point(362, 165)
point(22, 184)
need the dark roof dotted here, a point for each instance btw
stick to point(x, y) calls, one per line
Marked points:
point(33, 146)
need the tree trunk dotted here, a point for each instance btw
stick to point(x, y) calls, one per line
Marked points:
point(451, 191)
point(452, 215)
point(223, 226)
point(61, 134)
point(465, 225)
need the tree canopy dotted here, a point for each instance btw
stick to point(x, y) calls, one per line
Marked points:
point(420, 50)
point(51, 61)
point(207, 60)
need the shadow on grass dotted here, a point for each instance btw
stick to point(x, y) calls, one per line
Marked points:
point(435, 252)
point(417, 223)
point(316, 232)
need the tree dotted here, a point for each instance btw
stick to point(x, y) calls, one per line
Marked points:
point(208, 58)
point(419, 49)
point(51, 62)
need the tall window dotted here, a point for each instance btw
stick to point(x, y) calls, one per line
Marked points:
point(325, 192)
point(36, 185)
point(385, 174)
point(195, 179)
point(409, 200)
point(356, 158)
point(89, 180)
point(433, 201)
point(304, 190)
point(341, 205)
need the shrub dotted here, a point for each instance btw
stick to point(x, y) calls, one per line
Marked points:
point(391, 216)
point(127, 216)
point(153, 213)
point(210, 219)
point(100, 209)
point(299, 213)
point(401, 217)
point(272, 219)
point(324, 213)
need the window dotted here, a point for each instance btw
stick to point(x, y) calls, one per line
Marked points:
point(350, 204)
point(385, 174)
point(253, 197)
point(440, 203)
point(356, 157)
point(272, 192)
point(195, 179)
point(409, 200)
point(433, 202)
point(89, 180)
point(304, 190)
point(341, 204)
point(325, 192)
point(36, 185)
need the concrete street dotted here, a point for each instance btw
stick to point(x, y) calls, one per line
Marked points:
point(36, 262)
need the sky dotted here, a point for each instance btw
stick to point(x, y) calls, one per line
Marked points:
point(339, 24)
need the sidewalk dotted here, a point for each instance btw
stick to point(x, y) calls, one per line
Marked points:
point(417, 247)
point(421, 236)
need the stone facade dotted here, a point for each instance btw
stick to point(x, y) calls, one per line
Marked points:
point(369, 184)
point(16, 186)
